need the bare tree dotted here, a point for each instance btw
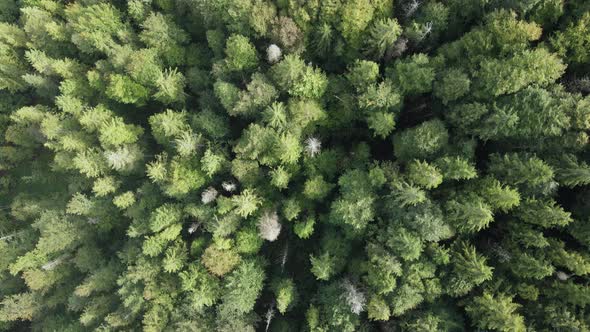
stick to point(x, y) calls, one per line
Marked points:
point(426, 30)
point(209, 195)
point(228, 186)
point(193, 227)
point(562, 276)
point(268, 226)
point(284, 256)
point(54, 263)
point(269, 316)
point(354, 298)
point(411, 7)
point(273, 54)
point(313, 146)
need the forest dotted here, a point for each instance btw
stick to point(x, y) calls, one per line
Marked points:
point(295, 165)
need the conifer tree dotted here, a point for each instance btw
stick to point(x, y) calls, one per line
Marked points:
point(341, 165)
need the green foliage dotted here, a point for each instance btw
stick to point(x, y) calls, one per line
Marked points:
point(424, 175)
point(499, 197)
point(170, 86)
point(363, 73)
point(123, 89)
point(456, 168)
point(572, 42)
point(96, 28)
point(124, 200)
point(286, 165)
point(243, 287)
point(285, 293)
point(545, 213)
point(331, 258)
point(299, 80)
point(382, 37)
point(240, 54)
point(496, 313)
point(280, 177)
point(304, 229)
point(528, 173)
point(220, 261)
point(355, 207)
point(381, 123)
point(356, 16)
point(378, 309)
point(380, 97)
point(414, 75)
point(322, 266)
point(316, 188)
point(452, 85)
point(469, 215)
point(422, 141)
point(498, 77)
point(246, 203)
point(470, 269)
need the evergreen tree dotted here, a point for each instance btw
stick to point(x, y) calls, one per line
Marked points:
point(227, 165)
point(497, 313)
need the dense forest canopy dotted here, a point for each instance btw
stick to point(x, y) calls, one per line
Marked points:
point(294, 165)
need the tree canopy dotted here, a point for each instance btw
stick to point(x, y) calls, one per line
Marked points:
point(286, 165)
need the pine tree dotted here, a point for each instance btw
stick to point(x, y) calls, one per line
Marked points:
point(469, 270)
point(414, 75)
point(383, 35)
point(421, 141)
point(495, 312)
point(240, 54)
point(227, 166)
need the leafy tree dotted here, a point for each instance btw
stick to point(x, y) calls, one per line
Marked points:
point(220, 261)
point(97, 27)
point(362, 73)
point(170, 87)
point(572, 42)
point(383, 270)
point(378, 309)
point(573, 173)
point(381, 123)
point(380, 97)
point(422, 141)
point(123, 89)
point(355, 208)
point(161, 33)
point(285, 32)
point(383, 35)
point(356, 16)
point(526, 266)
point(469, 215)
point(298, 79)
point(240, 54)
point(259, 93)
point(495, 312)
point(529, 173)
point(246, 203)
point(498, 77)
point(244, 285)
point(286, 294)
point(499, 197)
point(227, 165)
point(456, 168)
point(316, 188)
point(452, 85)
point(414, 75)
point(469, 270)
point(545, 213)
point(424, 175)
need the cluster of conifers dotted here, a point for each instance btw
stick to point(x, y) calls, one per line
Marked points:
point(321, 165)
